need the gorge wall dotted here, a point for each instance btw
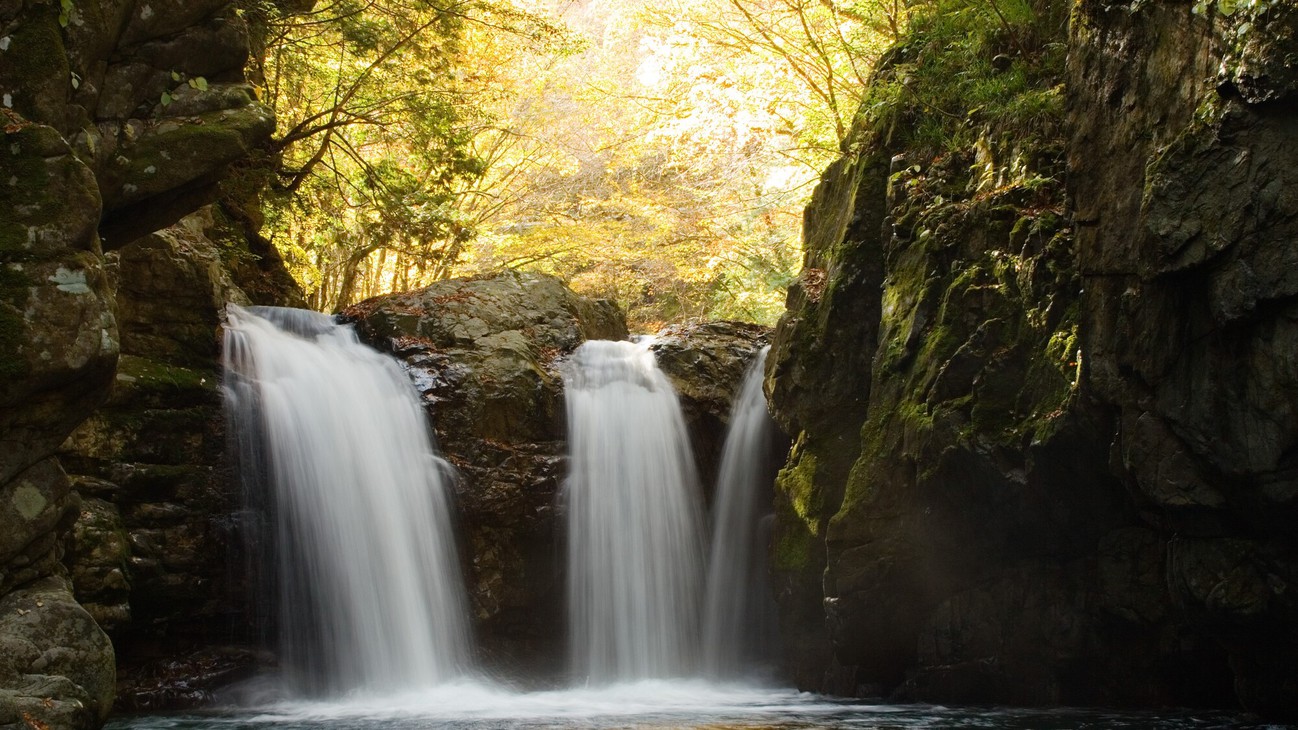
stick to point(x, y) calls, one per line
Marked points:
point(1045, 433)
point(120, 119)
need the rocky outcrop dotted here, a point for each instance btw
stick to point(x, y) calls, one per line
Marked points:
point(483, 354)
point(1184, 165)
point(486, 355)
point(705, 362)
point(119, 118)
point(1042, 449)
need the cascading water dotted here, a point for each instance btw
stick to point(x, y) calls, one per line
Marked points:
point(739, 613)
point(369, 589)
point(634, 540)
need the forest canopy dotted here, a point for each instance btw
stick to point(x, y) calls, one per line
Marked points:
point(657, 154)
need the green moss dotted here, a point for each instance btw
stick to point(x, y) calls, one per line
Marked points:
point(154, 374)
point(36, 64)
point(793, 549)
point(12, 332)
point(966, 69)
point(28, 193)
point(797, 482)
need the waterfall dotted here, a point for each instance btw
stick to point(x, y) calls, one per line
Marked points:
point(634, 541)
point(332, 439)
point(739, 613)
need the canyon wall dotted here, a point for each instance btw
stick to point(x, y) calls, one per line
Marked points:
point(120, 118)
point(1044, 433)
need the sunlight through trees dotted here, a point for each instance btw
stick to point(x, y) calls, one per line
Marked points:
point(657, 156)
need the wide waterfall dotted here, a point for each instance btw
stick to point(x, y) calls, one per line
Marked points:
point(739, 613)
point(634, 539)
point(332, 436)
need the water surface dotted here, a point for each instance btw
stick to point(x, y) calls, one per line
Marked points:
point(656, 704)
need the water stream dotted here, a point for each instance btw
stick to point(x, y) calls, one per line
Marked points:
point(739, 621)
point(635, 545)
point(368, 590)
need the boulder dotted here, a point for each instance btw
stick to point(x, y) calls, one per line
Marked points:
point(706, 363)
point(56, 665)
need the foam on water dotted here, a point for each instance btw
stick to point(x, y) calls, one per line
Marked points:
point(648, 704)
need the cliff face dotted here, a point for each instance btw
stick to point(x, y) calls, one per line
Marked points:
point(1060, 471)
point(1184, 167)
point(106, 140)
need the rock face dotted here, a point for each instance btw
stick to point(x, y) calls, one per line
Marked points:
point(1190, 310)
point(94, 153)
point(706, 363)
point(1040, 460)
point(483, 354)
point(154, 555)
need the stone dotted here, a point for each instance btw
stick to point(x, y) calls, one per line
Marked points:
point(706, 363)
point(56, 665)
point(486, 356)
point(1043, 458)
point(84, 124)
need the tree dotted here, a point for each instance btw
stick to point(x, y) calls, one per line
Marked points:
point(376, 124)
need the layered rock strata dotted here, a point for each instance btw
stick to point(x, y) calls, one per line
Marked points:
point(119, 118)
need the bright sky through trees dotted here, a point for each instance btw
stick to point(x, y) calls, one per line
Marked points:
point(656, 154)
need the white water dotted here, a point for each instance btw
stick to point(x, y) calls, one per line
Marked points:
point(738, 615)
point(653, 705)
point(634, 539)
point(369, 591)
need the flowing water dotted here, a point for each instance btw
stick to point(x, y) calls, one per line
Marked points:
point(634, 539)
point(333, 440)
point(739, 614)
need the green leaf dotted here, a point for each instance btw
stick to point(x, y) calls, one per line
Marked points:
point(175, 75)
point(65, 14)
point(166, 98)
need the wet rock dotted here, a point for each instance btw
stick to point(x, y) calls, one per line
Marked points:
point(58, 346)
point(92, 152)
point(154, 555)
point(1198, 159)
point(1063, 471)
point(186, 682)
point(706, 363)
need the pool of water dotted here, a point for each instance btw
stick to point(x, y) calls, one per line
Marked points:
point(476, 705)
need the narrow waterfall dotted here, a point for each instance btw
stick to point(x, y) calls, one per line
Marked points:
point(739, 613)
point(634, 541)
point(332, 435)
